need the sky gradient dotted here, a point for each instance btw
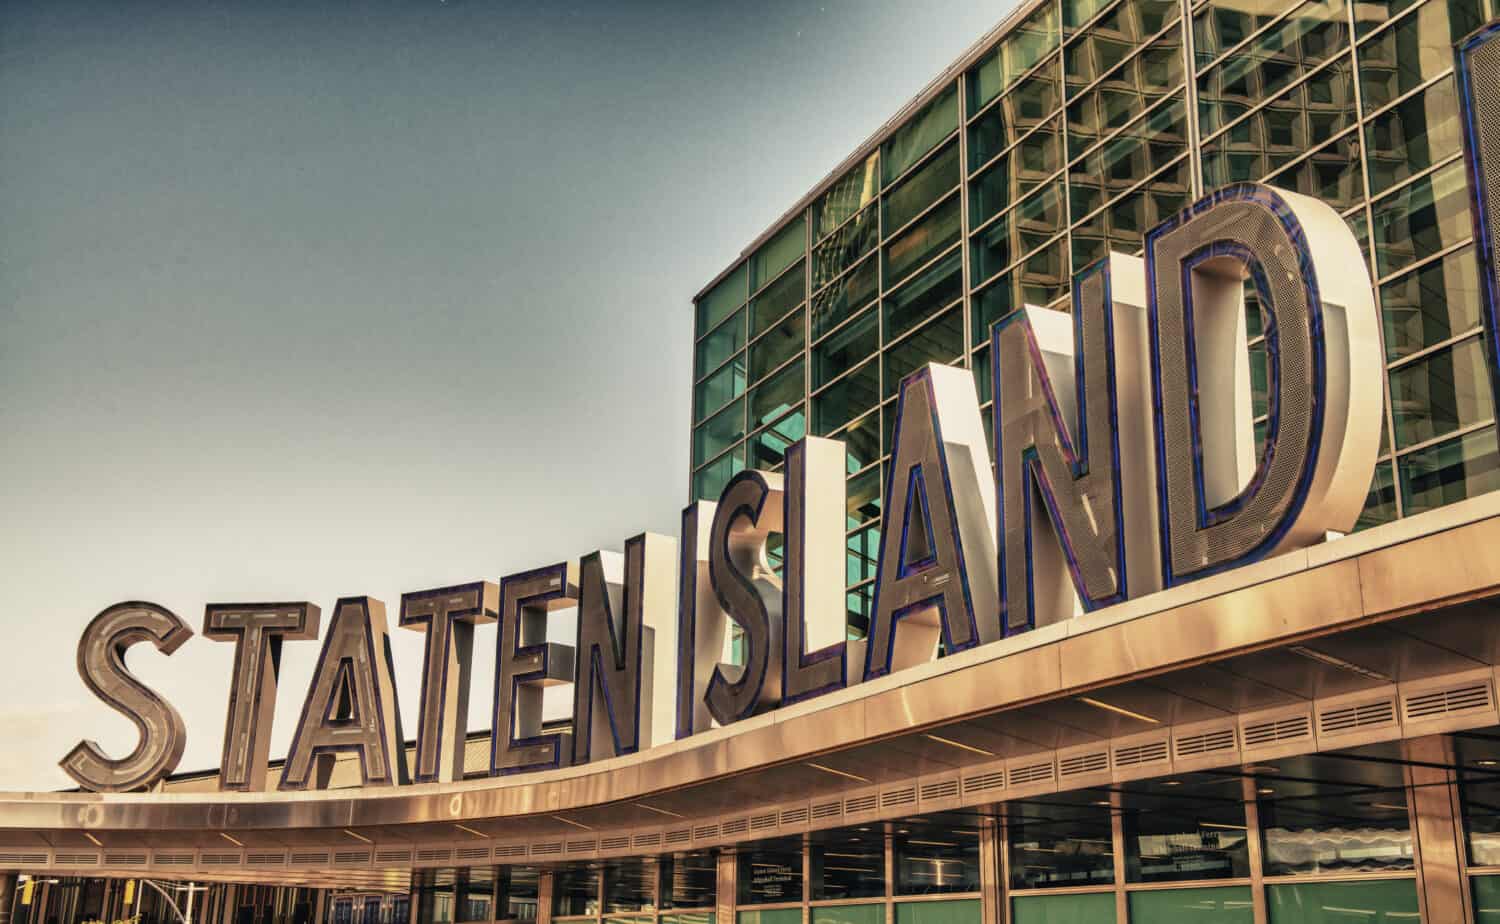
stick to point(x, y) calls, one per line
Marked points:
point(309, 300)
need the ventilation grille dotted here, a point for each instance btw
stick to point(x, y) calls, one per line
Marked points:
point(473, 853)
point(761, 822)
point(124, 859)
point(705, 831)
point(941, 789)
point(309, 859)
point(76, 859)
point(171, 859)
point(1133, 755)
point(356, 857)
point(582, 846)
point(826, 810)
point(219, 859)
point(428, 854)
point(1094, 762)
point(648, 840)
point(1442, 702)
point(680, 836)
point(393, 856)
point(614, 843)
point(510, 850)
point(1034, 773)
point(265, 859)
point(738, 826)
point(546, 850)
point(859, 804)
point(896, 798)
point(984, 782)
point(795, 816)
point(1272, 731)
point(1208, 742)
point(1349, 718)
point(27, 859)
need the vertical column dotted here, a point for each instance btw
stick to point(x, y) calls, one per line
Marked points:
point(1002, 848)
point(545, 881)
point(1437, 823)
point(1253, 842)
point(1117, 836)
point(990, 899)
point(890, 874)
point(807, 872)
point(726, 891)
point(7, 895)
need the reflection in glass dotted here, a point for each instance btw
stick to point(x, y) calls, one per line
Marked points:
point(1412, 135)
point(778, 345)
point(1421, 219)
point(709, 481)
point(1325, 813)
point(847, 863)
point(1219, 905)
point(770, 871)
point(1430, 305)
point(722, 299)
point(941, 858)
point(1085, 908)
point(720, 432)
point(1380, 503)
point(778, 253)
point(1125, 93)
point(629, 885)
point(841, 350)
point(726, 340)
point(920, 134)
point(845, 399)
point(941, 341)
point(1033, 100)
point(1189, 827)
point(924, 295)
point(1440, 393)
point(1017, 53)
point(850, 193)
point(689, 880)
point(575, 891)
point(842, 298)
point(1061, 841)
point(1449, 472)
point(777, 299)
point(924, 187)
point(768, 447)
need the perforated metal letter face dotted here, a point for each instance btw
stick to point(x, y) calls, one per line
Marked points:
point(1479, 80)
point(701, 622)
point(1222, 503)
point(620, 601)
point(525, 665)
point(448, 616)
point(351, 703)
point(749, 510)
point(936, 572)
point(813, 590)
point(101, 664)
point(1073, 462)
point(257, 630)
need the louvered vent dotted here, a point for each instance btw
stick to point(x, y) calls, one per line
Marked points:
point(1133, 755)
point(166, 859)
point(549, 849)
point(219, 859)
point(705, 831)
point(680, 836)
point(23, 859)
point(76, 859)
point(648, 840)
point(614, 843)
point(582, 846)
point(1209, 742)
point(984, 782)
point(738, 826)
point(124, 859)
point(510, 850)
point(429, 854)
point(895, 798)
point(359, 857)
point(473, 853)
point(1350, 718)
point(309, 859)
point(826, 810)
point(859, 804)
point(1033, 773)
point(1272, 731)
point(265, 859)
point(393, 856)
point(1442, 702)
point(761, 822)
point(794, 816)
point(1093, 762)
point(939, 789)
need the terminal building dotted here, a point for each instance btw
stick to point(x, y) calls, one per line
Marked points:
point(1311, 739)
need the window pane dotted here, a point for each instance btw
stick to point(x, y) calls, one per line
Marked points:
point(848, 863)
point(941, 341)
point(846, 399)
point(853, 191)
point(1226, 23)
point(1031, 224)
point(1441, 393)
point(1330, 175)
point(1096, 908)
point(720, 432)
point(955, 912)
point(1022, 48)
point(861, 442)
point(862, 549)
point(777, 299)
point(726, 340)
point(629, 885)
point(1191, 827)
point(920, 134)
point(941, 858)
point(849, 345)
point(776, 395)
point(771, 872)
point(1380, 902)
point(768, 447)
point(722, 299)
point(873, 913)
point(846, 296)
point(1113, 36)
point(1438, 301)
point(712, 392)
point(1136, 153)
point(1380, 503)
point(926, 239)
point(1036, 158)
point(776, 347)
point(1412, 135)
point(858, 602)
point(575, 891)
point(1220, 905)
point(863, 493)
point(922, 296)
point(1487, 900)
point(921, 189)
point(1450, 472)
point(776, 916)
point(709, 482)
point(1061, 841)
point(1326, 814)
point(1406, 55)
point(778, 253)
point(1422, 219)
point(1033, 100)
point(1125, 93)
point(846, 245)
point(689, 880)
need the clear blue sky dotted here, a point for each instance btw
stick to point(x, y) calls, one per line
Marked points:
point(311, 299)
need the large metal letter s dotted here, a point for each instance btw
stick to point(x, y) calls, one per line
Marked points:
point(749, 510)
point(257, 630)
point(1073, 450)
point(1222, 504)
point(936, 572)
point(351, 703)
point(1479, 77)
point(448, 616)
point(101, 664)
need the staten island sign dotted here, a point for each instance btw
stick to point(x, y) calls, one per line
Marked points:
point(1123, 461)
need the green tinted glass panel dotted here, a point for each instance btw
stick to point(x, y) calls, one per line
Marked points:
point(722, 299)
point(1093, 52)
point(861, 442)
point(1035, 221)
point(1125, 93)
point(863, 548)
point(777, 916)
point(1431, 304)
point(1331, 174)
point(983, 375)
point(723, 342)
point(1440, 393)
point(920, 134)
point(921, 297)
point(1028, 105)
point(1413, 135)
point(1487, 900)
point(941, 341)
point(709, 481)
point(1096, 908)
point(771, 398)
point(712, 392)
point(778, 253)
point(1400, 59)
point(853, 191)
point(848, 345)
point(863, 496)
point(1225, 23)
point(1222, 905)
point(845, 246)
point(1450, 472)
point(924, 187)
point(780, 344)
point(848, 914)
point(701, 917)
point(963, 911)
point(1017, 53)
point(939, 230)
point(719, 433)
point(1037, 157)
point(1380, 902)
point(1123, 223)
point(1464, 16)
point(1078, 12)
point(777, 299)
point(1421, 219)
point(845, 296)
point(768, 447)
point(1380, 503)
point(846, 399)
point(1125, 160)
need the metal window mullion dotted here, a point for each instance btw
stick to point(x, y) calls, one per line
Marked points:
point(1115, 134)
point(927, 210)
point(921, 161)
point(1190, 99)
point(1059, 175)
point(1431, 441)
point(1031, 72)
point(1436, 256)
point(1407, 96)
point(1281, 93)
point(1447, 343)
point(1250, 39)
point(912, 274)
point(967, 310)
point(1408, 182)
point(1253, 845)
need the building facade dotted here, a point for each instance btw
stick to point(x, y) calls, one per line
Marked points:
point(1314, 738)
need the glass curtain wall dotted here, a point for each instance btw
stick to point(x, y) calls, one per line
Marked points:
point(1081, 128)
